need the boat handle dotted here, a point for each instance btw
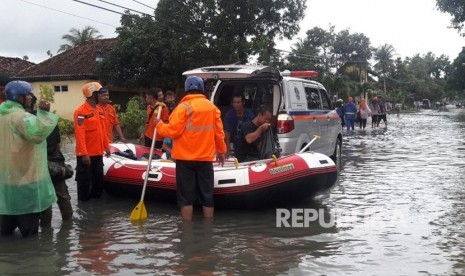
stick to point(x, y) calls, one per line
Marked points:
point(275, 159)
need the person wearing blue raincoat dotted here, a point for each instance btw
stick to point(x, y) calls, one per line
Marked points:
point(26, 188)
point(350, 111)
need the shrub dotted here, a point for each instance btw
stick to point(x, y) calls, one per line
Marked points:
point(66, 128)
point(47, 93)
point(133, 120)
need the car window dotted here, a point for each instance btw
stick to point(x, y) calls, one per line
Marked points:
point(255, 93)
point(325, 101)
point(313, 97)
point(298, 100)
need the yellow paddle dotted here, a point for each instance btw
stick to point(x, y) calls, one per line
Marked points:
point(139, 213)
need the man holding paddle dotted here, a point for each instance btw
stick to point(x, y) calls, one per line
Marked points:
point(197, 131)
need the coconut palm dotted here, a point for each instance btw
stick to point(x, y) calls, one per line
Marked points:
point(76, 37)
point(383, 56)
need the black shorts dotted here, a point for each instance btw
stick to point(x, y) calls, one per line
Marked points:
point(382, 117)
point(194, 183)
point(374, 118)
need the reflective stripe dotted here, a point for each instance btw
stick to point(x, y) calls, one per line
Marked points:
point(190, 125)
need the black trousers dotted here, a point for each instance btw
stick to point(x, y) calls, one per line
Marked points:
point(28, 224)
point(89, 178)
point(64, 203)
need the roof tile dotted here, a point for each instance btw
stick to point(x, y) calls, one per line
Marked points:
point(77, 61)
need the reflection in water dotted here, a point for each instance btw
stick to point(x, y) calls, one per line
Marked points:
point(398, 209)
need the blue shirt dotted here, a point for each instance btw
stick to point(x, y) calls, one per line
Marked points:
point(350, 109)
point(169, 143)
point(233, 124)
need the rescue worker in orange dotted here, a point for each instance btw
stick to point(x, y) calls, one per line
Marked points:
point(151, 97)
point(111, 118)
point(197, 131)
point(91, 141)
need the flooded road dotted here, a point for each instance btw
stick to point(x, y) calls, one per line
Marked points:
point(398, 208)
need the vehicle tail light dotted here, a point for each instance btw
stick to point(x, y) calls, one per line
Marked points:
point(285, 123)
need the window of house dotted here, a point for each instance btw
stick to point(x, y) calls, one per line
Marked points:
point(60, 88)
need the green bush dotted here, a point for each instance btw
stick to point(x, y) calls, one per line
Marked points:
point(47, 93)
point(66, 128)
point(132, 121)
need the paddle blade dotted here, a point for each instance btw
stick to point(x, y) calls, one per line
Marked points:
point(139, 213)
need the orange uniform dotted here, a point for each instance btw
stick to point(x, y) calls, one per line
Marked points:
point(196, 129)
point(90, 130)
point(152, 113)
point(111, 120)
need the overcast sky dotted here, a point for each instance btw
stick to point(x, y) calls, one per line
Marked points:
point(32, 27)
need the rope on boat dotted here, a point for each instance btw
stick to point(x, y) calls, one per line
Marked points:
point(152, 168)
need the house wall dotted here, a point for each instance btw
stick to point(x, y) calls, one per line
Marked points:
point(65, 102)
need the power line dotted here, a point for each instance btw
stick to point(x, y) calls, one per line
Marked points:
point(179, 29)
point(301, 55)
point(99, 7)
point(109, 3)
point(143, 4)
point(45, 7)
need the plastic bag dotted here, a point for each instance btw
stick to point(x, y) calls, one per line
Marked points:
point(269, 145)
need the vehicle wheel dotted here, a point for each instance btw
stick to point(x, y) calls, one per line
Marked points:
point(337, 155)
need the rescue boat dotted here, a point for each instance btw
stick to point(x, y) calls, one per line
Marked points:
point(263, 183)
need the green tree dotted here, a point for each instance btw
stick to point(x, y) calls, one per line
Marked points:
point(186, 34)
point(136, 59)
point(456, 80)
point(350, 48)
point(313, 52)
point(384, 62)
point(454, 8)
point(77, 37)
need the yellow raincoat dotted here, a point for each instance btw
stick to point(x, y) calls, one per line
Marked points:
point(25, 184)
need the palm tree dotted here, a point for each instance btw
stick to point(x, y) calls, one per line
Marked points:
point(77, 37)
point(383, 56)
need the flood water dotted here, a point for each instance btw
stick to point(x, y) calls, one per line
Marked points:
point(398, 208)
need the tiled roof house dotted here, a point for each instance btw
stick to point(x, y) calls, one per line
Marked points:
point(67, 72)
point(10, 67)
point(78, 63)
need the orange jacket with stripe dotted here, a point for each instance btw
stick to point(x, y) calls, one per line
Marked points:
point(196, 129)
point(90, 130)
point(150, 124)
point(111, 120)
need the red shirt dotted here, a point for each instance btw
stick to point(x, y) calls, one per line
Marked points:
point(111, 120)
